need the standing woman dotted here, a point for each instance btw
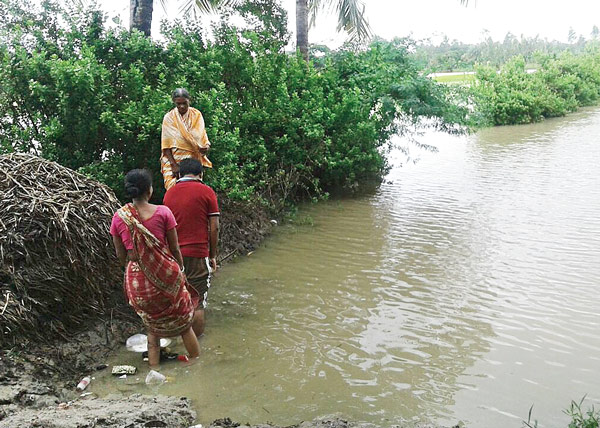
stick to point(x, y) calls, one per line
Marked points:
point(145, 239)
point(183, 136)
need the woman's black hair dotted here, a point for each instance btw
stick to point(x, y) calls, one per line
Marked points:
point(190, 166)
point(180, 92)
point(137, 182)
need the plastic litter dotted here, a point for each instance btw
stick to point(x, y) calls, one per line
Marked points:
point(274, 222)
point(83, 383)
point(183, 358)
point(121, 370)
point(155, 378)
point(197, 426)
point(139, 343)
point(123, 377)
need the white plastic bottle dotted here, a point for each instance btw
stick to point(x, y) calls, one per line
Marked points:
point(84, 383)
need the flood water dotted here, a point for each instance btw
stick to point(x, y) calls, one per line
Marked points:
point(464, 289)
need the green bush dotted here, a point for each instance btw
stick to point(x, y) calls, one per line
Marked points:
point(560, 85)
point(93, 99)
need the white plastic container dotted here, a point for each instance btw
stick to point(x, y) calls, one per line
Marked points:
point(83, 383)
point(155, 378)
point(139, 343)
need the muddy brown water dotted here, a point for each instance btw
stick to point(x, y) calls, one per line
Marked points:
point(464, 289)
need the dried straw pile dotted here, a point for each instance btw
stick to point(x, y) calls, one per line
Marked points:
point(57, 267)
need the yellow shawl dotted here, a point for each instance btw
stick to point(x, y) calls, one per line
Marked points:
point(185, 133)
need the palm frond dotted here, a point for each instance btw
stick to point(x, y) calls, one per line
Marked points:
point(199, 7)
point(163, 4)
point(352, 19)
point(351, 16)
point(314, 6)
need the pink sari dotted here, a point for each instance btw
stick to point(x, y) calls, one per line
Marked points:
point(155, 286)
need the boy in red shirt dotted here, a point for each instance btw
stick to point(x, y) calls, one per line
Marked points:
point(196, 210)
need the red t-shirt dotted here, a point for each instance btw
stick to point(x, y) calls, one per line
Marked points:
point(192, 203)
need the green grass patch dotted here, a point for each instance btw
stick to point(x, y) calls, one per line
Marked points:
point(455, 78)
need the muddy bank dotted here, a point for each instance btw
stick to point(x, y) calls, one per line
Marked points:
point(35, 376)
point(243, 227)
point(325, 422)
point(113, 411)
point(39, 371)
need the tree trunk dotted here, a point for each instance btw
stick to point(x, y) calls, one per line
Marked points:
point(141, 15)
point(302, 27)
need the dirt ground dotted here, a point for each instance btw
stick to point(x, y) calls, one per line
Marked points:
point(112, 411)
point(38, 378)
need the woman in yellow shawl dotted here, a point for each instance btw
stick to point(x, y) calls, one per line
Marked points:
point(183, 136)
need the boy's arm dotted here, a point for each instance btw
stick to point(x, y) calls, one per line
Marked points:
point(213, 241)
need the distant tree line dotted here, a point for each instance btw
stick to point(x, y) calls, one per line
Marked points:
point(453, 55)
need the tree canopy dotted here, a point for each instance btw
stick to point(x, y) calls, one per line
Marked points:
point(93, 99)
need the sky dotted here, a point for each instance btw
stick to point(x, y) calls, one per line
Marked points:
point(422, 19)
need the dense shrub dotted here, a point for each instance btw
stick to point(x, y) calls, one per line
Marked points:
point(560, 85)
point(93, 99)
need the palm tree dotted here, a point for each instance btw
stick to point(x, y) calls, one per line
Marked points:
point(140, 11)
point(140, 15)
point(351, 16)
point(351, 19)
